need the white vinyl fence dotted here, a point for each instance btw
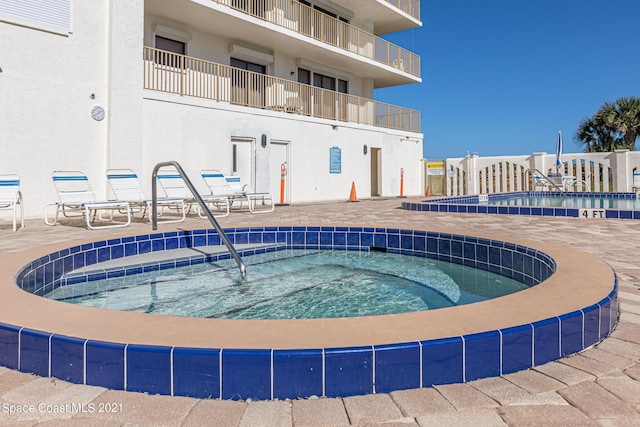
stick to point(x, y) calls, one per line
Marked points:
point(597, 172)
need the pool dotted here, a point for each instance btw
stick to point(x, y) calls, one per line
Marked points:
point(538, 203)
point(579, 201)
point(572, 306)
point(294, 284)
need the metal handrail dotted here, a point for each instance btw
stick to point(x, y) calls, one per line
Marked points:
point(205, 209)
point(548, 181)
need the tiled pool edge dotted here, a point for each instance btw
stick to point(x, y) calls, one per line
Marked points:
point(268, 373)
point(471, 204)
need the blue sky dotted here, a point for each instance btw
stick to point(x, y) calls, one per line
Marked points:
point(502, 77)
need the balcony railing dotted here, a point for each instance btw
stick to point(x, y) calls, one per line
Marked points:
point(410, 7)
point(327, 29)
point(183, 75)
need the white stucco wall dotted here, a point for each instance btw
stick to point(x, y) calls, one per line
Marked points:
point(46, 85)
point(125, 68)
point(198, 135)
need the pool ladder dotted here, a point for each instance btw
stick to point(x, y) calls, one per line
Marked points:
point(201, 203)
point(545, 179)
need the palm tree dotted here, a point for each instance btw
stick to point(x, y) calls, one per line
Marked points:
point(596, 136)
point(614, 125)
point(624, 116)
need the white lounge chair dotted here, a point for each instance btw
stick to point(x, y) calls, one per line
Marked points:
point(175, 188)
point(218, 184)
point(242, 193)
point(127, 186)
point(78, 199)
point(564, 182)
point(11, 197)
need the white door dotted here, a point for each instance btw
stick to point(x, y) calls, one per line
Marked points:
point(278, 156)
point(242, 160)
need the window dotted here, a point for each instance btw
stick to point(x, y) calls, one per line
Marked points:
point(47, 15)
point(252, 7)
point(234, 158)
point(247, 88)
point(322, 81)
point(171, 45)
point(325, 82)
point(343, 86)
point(304, 76)
point(325, 11)
point(249, 66)
point(171, 51)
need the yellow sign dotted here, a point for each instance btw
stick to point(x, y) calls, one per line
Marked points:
point(435, 168)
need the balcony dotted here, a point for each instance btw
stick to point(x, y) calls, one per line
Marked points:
point(322, 27)
point(389, 16)
point(410, 7)
point(187, 76)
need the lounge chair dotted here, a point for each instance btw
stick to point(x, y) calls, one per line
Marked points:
point(218, 184)
point(126, 186)
point(175, 188)
point(11, 197)
point(242, 193)
point(77, 199)
point(562, 182)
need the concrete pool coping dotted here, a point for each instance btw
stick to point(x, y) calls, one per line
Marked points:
point(581, 280)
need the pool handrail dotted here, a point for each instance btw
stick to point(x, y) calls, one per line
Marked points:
point(201, 203)
point(547, 180)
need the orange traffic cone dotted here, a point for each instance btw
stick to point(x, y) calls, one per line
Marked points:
point(428, 191)
point(352, 196)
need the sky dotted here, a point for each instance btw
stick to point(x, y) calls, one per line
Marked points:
point(502, 77)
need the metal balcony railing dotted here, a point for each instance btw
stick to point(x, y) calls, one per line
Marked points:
point(410, 7)
point(183, 75)
point(320, 26)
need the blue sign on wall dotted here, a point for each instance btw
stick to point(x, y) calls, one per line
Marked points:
point(335, 160)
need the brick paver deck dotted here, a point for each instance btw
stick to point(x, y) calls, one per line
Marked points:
point(598, 387)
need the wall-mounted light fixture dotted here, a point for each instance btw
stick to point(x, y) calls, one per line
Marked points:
point(365, 149)
point(264, 141)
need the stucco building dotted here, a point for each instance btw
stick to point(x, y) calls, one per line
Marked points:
point(241, 86)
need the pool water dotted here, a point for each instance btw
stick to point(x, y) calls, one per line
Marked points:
point(295, 284)
point(559, 201)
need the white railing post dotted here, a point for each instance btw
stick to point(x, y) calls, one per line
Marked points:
point(622, 175)
point(537, 161)
point(598, 172)
point(469, 166)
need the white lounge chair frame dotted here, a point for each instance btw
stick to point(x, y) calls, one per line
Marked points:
point(78, 199)
point(126, 186)
point(11, 197)
point(174, 187)
point(567, 182)
point(243, 192)
point(217, 184)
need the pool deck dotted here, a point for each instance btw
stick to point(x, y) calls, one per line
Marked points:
point(598, 387)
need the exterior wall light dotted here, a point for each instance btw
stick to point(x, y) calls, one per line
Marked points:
point(264, 141)
point(365, 149)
